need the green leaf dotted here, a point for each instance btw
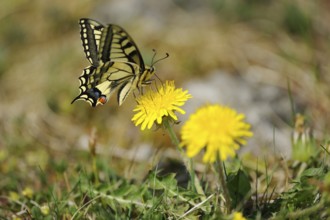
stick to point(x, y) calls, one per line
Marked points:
point(167, 182)
point(313, 172)
point(123, 190)
point(239, 186)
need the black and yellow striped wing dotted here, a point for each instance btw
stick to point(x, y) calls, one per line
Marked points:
point(91, 33)
point(93, 88)
point(116, 63)
point(117, 45)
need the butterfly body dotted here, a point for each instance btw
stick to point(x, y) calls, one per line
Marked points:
point(116, 64)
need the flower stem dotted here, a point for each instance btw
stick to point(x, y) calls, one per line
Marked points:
point(222, 180)
point(171, 132)
point(92, 150)
point(95, 170)
point(187, 162)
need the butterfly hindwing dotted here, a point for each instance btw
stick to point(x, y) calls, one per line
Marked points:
point(85, 86)
point(124, 91)
point(120, 71)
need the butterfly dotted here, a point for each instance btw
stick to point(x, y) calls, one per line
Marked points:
point(116, 63)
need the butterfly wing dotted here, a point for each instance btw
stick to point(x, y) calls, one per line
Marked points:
point(124, 77)
point(90, 33)
point(116, 45)
point(116, 63)
point(97, 83)
point(92, 88)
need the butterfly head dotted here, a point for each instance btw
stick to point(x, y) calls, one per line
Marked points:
point(148, 73)
point(150, 70)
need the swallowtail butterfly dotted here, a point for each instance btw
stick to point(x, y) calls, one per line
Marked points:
point(116, 63)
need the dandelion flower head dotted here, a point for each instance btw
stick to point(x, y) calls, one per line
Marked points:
point(219, 129)
point(238, 216)
point(154, 105)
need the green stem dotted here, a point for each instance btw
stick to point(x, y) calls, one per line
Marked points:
point(187, 162)
point(222, 180)
point(95, 171)
point(171, 132)
point(92, 150)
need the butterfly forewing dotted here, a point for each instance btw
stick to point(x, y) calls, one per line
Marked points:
point(91, 32)
point(117, 45)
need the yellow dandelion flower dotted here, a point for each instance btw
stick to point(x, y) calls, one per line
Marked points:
point(154, 105)
point(217, 128)
point(238, 216)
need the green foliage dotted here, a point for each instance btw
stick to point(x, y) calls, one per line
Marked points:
point(296, 21)
point(304, 149)
point(303, 194)
point(239, 187)
point(77, 194)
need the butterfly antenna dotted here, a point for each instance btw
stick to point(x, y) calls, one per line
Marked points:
point(153, 62)
point(163, 58)
point(153, 57)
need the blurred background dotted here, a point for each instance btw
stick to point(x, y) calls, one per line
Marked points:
point(268, 59)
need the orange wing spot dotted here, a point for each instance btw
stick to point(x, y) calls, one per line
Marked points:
point(102, 100)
